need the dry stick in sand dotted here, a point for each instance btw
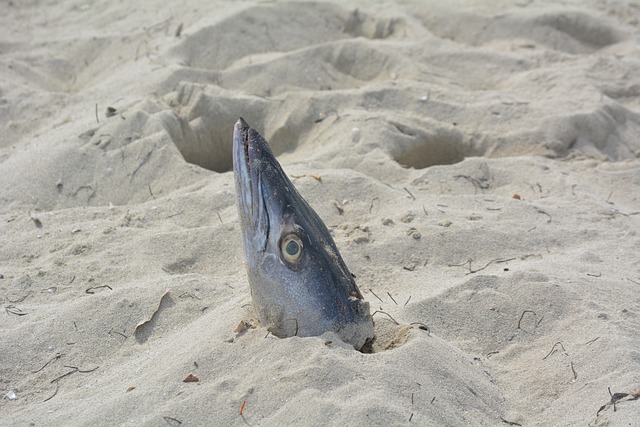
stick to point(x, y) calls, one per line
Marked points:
point(57, 356)
point(374, 294)
point(392, 298)
point(407, 190)
point(411, 416)
point(172, 421)
point(616, 397)
point(73, 370)
point(544, 213)
point(476, 184)
point(461, 264)
point(54, 393)
point(386, 314)
point(497, 261)
point(523, 313)
point(179, 212)
point(116, 332)
point(92, 289)
point(471, 271)
point(553, 349)
point(592, 341)
point(511, 423)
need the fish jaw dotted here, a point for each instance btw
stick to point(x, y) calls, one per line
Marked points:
point(313, 294)
point(250, 202)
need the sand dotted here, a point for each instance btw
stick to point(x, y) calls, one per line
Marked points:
point(479, 168)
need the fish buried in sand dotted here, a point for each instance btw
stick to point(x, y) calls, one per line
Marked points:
point(299, 283)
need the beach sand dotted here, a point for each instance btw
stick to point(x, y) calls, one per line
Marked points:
point(478, 164)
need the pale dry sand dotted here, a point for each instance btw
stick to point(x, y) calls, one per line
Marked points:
point(423, 122)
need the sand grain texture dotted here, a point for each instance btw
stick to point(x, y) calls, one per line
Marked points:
point(121, 261)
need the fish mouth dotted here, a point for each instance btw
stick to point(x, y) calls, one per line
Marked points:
point(241, 160)
point(241, 135)
point(249, 151)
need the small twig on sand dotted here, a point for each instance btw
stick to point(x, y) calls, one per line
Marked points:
point(172, 421)
point(523, 313)
point(374, 294)
point(407, 190)
point(390, 296)
point(57, 356)
point(497, 260)
point(553, 349)
point(386, 314)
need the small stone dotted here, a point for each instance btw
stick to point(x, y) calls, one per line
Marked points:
point(413, 232)
point(191, 379)
point(408, 217)
point(410, 267)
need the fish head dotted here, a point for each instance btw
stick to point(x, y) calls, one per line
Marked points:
point(299, 283)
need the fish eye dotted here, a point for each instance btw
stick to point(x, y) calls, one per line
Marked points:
point(291, 248)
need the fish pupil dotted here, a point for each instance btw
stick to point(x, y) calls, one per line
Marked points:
point(292, 248)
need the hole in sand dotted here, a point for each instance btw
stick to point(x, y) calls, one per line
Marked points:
point(420, 148)
point(202, 119)
point(388, 336)
point(204, 141)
